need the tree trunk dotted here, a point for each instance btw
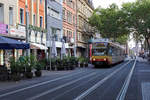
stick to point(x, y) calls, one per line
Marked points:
point(148, 44)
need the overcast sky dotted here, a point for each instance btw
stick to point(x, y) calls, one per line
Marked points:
point(106, 3)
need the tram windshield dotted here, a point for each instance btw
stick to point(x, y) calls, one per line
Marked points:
point(99, 49)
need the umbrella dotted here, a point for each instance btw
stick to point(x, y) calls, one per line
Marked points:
point(54, 51)
point(7, 43)
point(63, 49)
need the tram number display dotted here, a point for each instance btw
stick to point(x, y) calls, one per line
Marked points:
point(99, 45)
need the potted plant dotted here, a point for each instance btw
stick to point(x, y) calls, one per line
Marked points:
point(53, 64)
point(59, 64)
point(15, 69)
point(81, 60)
point(86, 62)
point(72, 61)
point(30, 64)
point(4, 75)
point(38, 68)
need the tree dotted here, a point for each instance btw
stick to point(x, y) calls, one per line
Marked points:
point(138, 19)
point(110, 23)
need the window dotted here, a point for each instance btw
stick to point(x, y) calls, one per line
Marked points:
point(34, 20)
point(64, 32)
point(69, 3)
point(59, 1)
point(21, 16)
point(54, 13)
point(73, 5)
point(56, 33)
point(10, 16)
point(1, 13)
point(73, 20)
point(69, 17)
point(79, 36)
point(64, 15)
point(28, 18)
point(41, 21)
point(40, 1)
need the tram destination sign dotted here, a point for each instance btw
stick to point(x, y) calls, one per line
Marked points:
point(100, 45)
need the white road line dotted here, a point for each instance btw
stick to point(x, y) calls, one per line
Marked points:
point(59, 87)
point(124, 89)
point(84, 94)
point(78, 86)
point(39, 84)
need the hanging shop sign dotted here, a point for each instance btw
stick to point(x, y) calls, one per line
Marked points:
point(19, 31)
point(3, 28)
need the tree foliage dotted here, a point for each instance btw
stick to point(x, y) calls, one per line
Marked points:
point(109, 22)
point(117, 23)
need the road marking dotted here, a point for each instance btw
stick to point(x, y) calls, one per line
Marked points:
point(39, 84)
point(124, 89)
point(146, 91)
point(59, 87)
point(58, 96)
point(144, 71)
point(84, 94)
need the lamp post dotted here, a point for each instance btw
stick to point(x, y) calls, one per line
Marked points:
point(27, 34)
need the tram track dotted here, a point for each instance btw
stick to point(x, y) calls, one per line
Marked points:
point(75, 86)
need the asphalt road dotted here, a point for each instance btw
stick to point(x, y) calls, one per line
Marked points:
point(116, 83)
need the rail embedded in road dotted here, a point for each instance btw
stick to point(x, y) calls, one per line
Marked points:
point(87, 92)
point(124, 89)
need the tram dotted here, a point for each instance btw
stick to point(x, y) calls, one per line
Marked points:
point(105, 52)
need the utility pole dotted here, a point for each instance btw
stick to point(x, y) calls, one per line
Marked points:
point(27, 25)
point(75, 34)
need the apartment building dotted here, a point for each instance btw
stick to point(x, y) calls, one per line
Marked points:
point(69, 24)
point(33, 12)
point(84, 30)
point(8, 19)
point(54, 23)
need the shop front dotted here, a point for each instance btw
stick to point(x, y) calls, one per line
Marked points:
point(38, 50)
point(10, 48)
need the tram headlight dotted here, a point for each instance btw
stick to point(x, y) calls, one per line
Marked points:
point(94, 59)
point(105, 59)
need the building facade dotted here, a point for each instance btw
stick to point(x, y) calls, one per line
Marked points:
point(8, 19)
point(84, 30)
point(54, 23)
point(35, 12)
point(69, 24)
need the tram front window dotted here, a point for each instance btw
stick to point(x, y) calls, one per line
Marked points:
point(99, 52)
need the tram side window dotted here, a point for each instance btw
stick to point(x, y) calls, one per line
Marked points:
point(110, 51)
point(114, 51)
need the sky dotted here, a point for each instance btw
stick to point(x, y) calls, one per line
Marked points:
point(106, 3)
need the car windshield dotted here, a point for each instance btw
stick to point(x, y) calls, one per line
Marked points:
point(99, 52)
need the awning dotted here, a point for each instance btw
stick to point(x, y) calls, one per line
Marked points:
point(38, 46)
point(7, 43)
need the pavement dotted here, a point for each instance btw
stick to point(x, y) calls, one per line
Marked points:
point(126, 81)
point(45, 75)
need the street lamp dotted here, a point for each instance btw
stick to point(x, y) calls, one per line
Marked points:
point(27, 25)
